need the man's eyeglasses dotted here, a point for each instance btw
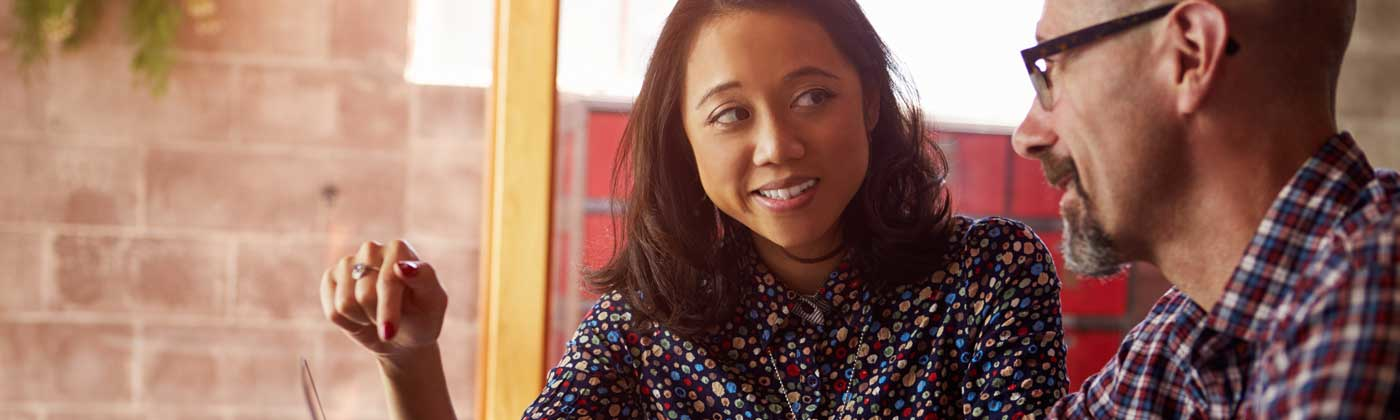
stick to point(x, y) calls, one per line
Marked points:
point(1034, 57)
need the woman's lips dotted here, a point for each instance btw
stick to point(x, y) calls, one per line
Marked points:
point(787, 195)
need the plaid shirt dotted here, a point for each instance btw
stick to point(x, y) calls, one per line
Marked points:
point(1308, 327)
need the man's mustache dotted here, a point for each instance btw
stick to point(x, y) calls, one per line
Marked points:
point(1058, 171)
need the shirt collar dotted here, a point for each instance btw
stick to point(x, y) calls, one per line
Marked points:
point(1318, 197)
point(769, 307)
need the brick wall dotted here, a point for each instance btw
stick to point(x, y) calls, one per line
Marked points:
point(161, 255)
point(1368, 102)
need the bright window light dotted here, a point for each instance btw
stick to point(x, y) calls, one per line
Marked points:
point(961, 55)
point(451, 42)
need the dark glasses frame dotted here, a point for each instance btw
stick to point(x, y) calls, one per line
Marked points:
point(1031, 56)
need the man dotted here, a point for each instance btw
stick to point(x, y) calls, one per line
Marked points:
point(1199, 136)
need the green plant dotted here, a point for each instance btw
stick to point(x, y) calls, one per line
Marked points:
point(151, 24)
point(46, 22)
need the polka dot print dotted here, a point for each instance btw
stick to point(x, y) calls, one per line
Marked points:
point(979, 338)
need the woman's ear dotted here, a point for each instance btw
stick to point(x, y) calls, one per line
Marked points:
point(872, 111)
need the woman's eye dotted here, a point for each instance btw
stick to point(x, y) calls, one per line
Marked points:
point(731, 116)
point(813, 97)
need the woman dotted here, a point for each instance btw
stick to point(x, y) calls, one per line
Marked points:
point(788, 249)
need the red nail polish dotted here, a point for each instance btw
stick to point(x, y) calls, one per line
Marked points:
point(408, 268)
point(387, 330)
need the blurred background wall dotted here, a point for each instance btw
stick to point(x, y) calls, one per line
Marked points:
point(1368, 103)
point(160, 254)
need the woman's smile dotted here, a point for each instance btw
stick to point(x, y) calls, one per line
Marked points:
point(787, 194)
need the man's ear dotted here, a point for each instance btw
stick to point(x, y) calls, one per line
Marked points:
point(1196, 37)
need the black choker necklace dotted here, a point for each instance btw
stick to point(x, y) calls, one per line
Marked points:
point(839, 248)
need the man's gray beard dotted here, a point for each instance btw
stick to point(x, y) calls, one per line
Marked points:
point(1087, 248)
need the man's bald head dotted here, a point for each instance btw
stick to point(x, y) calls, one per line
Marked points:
point(1302, 41)
point(1310, 36)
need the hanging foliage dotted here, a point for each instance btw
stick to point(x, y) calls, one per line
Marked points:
point(152, 26)
point(51, 22)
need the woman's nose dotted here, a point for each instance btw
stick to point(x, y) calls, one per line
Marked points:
point(777, 143)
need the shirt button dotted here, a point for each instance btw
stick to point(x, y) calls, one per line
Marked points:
point(812, 381)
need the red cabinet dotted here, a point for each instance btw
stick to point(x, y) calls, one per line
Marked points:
point(977, 173)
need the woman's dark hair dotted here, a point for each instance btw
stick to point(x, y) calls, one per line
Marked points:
point(681, 260)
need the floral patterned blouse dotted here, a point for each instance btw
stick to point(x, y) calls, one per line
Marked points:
point(980, 338)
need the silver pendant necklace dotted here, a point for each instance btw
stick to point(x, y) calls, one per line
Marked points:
point(861, 351)
point(812, 309)
point(819, 312)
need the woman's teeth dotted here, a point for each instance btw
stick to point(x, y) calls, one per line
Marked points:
point(789, 192)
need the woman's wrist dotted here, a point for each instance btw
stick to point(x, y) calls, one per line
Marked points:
point(415, 384)
point(411, 362)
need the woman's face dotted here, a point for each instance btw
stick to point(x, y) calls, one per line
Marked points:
point(776, 118)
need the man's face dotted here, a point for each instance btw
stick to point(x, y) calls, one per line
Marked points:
point(1105, 140)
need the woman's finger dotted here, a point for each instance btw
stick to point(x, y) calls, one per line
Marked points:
point(371, 255)
point(391, 287)
point(367, 297)
point(327, 294)
point(345, 305)
point(404, 276)
point(390, 304)
point(398, 250)
point(420, 277)
point(402, 261)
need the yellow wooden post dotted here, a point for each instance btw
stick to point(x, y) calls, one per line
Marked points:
point(515, 252)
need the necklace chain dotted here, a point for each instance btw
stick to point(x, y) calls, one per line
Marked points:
point(850, 370)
